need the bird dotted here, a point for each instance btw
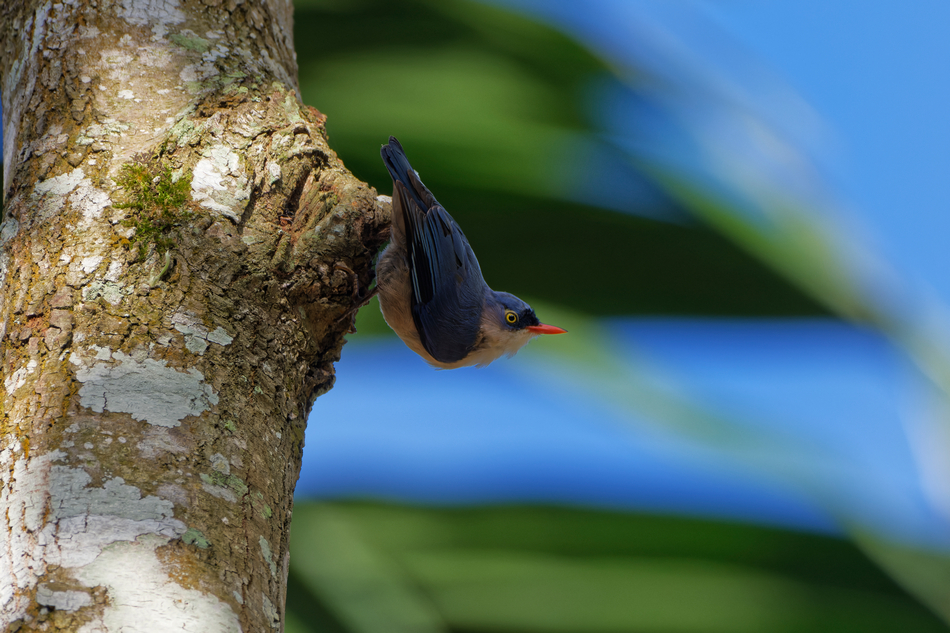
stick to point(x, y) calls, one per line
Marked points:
point(430, 286)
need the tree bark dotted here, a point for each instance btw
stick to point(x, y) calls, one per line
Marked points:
point(181, 257)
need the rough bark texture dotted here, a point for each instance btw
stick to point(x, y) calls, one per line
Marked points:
point(181, 254)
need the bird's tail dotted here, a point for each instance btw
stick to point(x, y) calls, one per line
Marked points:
point(401, 171)
point(396, 162)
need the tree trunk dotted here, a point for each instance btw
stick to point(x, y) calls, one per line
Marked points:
point(181, 256)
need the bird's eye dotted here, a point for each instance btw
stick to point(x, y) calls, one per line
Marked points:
point(511, 317)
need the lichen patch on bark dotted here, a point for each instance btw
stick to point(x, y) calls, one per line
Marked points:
point(220, 184)
point(148, 390)
point(47, 596)
point(145, 12)
point(89, 519)
point(268, 556)
point(50, 195)
point(197, 335)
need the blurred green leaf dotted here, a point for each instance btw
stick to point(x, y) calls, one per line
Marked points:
point(506, 591)
point(360, 586)
point(791, 240)
point(542, 569)
point(925, 574)
point(506, 143)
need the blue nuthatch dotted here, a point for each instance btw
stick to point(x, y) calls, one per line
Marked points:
point(431, 289)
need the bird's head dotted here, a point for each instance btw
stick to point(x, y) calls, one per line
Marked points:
point(508, 323)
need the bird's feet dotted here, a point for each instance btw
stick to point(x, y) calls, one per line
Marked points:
point(358, 299)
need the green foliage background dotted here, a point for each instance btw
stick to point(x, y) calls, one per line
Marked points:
point(370, 567)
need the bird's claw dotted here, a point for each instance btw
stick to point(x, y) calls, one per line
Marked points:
point(360, 300)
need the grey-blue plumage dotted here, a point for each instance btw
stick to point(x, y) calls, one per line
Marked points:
point(431, 288)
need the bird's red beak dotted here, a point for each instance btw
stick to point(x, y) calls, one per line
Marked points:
point(546, 329)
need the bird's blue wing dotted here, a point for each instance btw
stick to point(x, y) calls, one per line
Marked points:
point(448, 290)
point(447, 285)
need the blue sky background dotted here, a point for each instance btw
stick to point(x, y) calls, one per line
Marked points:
point(874, 72)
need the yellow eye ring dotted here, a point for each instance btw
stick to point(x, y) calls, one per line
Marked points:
point(511, 317)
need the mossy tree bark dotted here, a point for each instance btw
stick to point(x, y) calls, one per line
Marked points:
point(181, 255)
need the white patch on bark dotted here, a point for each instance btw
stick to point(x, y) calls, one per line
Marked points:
point(60, 185)
point(220, 184)
point(197, 335)
point(8, 230)
point(105, 536)
point(4, 268)
point(273, 172)
point(89, 200)
point(115, 271)
point(220, 336)
point(62, 600)
point(194, 74)
point(143, 598)
point(70, 497)
point(22, 507)
point(110, 130)
point(81, 262)
point(90, 519)
point(50, 195)
point(154, 56)
point(268, 556)
point(147, 390)
point(172, 492)
point(90, 263)
point(270, 611)
point(195, 345)
point(220, 463)
point(219, 492)
point(18, 378)
point(108, 290)
point(142, 12)
point(189, 73)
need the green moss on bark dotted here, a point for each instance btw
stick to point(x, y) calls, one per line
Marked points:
point(159, 203)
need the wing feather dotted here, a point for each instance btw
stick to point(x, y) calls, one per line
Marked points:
point(448, 291)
